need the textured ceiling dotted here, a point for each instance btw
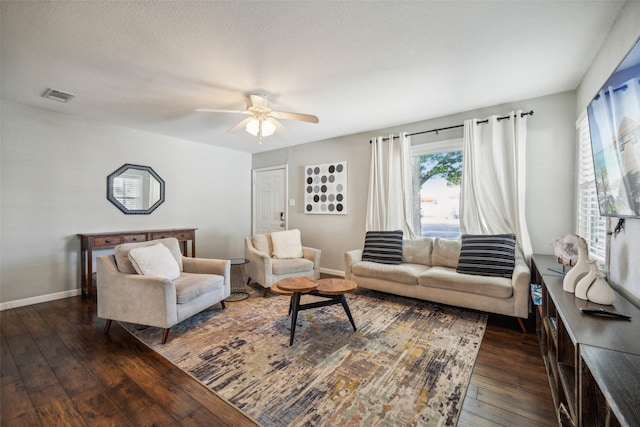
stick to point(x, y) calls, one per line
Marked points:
point(357, 65)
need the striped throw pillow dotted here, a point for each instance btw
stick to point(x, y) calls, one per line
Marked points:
point(487, 255)
point(383, 246)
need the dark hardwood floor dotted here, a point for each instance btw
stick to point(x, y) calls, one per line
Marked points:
point(59, 369)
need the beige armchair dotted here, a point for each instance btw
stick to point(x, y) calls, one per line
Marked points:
point(268, 265)
point(124, 295)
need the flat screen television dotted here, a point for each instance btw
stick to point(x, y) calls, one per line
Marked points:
point(614, 124)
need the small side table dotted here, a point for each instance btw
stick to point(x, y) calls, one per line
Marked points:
point(238, 288)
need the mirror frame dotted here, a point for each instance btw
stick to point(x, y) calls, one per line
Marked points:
point(119, 205)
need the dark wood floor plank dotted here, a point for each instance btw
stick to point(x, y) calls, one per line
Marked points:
point(515, 403)
point(34, 370)
point(8, 369)
point(10, 323)
point(54, 406)
point(468, 419)
point(483, 411)
point(98, 409)
point(34, 323)
point(15, 404)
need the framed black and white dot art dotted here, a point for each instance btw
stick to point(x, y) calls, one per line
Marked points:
point(325, 189)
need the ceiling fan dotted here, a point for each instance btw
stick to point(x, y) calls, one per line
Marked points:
point(262, 120)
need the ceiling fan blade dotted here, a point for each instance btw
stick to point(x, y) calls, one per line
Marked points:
point(214, 110)
point(241, 125)
point(258, 101)
point(280, 128)
point(295, 116)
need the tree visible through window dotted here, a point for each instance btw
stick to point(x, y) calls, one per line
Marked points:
point(439, 172)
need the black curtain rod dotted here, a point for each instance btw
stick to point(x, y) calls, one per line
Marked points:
point(530, 113)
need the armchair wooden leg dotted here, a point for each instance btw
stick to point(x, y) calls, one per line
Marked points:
point(223, 304)
point(165, 335)
point(266, 292)
point(107, 325)
point(522, 326)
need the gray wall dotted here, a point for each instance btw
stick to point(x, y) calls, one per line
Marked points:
point(550, 160)
point(54, 169)
point(624, 273)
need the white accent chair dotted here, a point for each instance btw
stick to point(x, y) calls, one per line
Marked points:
point(124, 295)
point(268, 265)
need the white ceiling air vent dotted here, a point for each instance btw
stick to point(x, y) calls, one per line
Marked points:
point(57, 95)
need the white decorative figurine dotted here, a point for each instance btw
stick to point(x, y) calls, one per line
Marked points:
point(583, 284)
point(600, 292)
point(571, 242)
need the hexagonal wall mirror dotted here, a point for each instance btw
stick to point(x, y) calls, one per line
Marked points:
point(135, 189)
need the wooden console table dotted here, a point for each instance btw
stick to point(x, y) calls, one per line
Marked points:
point(593, 362)
point(108, 240)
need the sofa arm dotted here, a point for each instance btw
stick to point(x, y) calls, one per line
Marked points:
point(521, 282)
point(350, 258)
point(221, 267)
point(134, 298)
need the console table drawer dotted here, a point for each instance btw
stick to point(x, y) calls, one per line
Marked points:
point(180, 235)
point(131, 238)
point(184, 235)
point(106, 241)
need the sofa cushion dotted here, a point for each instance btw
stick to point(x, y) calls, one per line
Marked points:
point(445, 252)
point(262, 242)
point(291, 265)
point(190, 286)
point(417, 251)
point(121, 253)
point(403, 273)
point(487, 255)
point(383, 246)
point(286, 244)
point(155, 260)
point(448, 278)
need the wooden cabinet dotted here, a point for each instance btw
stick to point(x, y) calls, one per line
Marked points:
point(108, 240)
point(593, 362)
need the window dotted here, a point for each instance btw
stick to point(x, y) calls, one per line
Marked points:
point(127, 189)
point(438, 169)
point(590, 224)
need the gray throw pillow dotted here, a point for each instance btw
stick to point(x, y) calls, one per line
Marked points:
point(487, 255)
point(383, 246)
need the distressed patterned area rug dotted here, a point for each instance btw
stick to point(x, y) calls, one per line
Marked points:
point(408, 364)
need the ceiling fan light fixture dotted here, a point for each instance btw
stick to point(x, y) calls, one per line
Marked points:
point(253, 127)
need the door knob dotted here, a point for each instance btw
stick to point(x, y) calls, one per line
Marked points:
point(282, 224)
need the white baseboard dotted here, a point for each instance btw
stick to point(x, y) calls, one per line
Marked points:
point(332, 272)
point(36, 300)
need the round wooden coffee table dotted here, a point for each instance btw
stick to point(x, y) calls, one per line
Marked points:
point(331, 289)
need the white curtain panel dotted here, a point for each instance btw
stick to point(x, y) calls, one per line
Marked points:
point(390, 200)
point(494, 178)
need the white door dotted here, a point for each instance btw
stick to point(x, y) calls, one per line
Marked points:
point(269, 199)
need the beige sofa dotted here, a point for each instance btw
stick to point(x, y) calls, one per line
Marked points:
point(428, 272)
point(124, 295)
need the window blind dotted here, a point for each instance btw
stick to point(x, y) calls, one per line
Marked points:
point(590, 224)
